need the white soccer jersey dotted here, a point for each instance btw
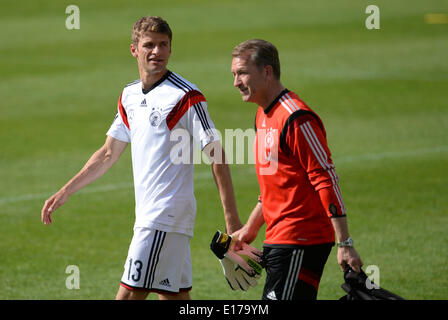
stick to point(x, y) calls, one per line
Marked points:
point(164, 193)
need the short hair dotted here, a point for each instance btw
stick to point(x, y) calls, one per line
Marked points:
point(262, 53)
point(150, 24)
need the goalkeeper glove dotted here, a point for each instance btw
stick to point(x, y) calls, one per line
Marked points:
point(237, 277)
point(241, 267)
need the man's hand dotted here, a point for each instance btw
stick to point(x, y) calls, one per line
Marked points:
point(248, 258)
point(349, 256)
point(52, 203)
point(243, 235)
point(94, 168)
point(241, 267)
point(249, 231)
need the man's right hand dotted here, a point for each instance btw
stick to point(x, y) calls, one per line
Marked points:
point(51, 204)
point(95, 167)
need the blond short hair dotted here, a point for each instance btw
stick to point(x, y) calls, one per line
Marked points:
point(262, 53)
point(150, 24)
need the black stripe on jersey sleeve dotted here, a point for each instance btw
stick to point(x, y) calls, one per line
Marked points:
point(202, 116)
point(179, 80)
point(179, 83)
point(293, 117)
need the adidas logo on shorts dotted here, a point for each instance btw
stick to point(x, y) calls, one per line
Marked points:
point(271, 295)
point(165, 283)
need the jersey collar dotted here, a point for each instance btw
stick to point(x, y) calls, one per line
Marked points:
point(165, 76)
point(273, 103)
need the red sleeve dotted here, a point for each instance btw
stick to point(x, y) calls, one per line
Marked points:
point(189, 99)
point(306, 140)
point(122, 112)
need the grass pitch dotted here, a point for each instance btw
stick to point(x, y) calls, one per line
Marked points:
point(381, 94)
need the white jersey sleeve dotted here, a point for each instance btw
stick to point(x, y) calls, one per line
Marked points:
point(119, 129)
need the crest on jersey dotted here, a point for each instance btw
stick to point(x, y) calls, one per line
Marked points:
point(269, 139)
point(155, 118)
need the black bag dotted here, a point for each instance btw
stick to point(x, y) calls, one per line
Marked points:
point(359, 287)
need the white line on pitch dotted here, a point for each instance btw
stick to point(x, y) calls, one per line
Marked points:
point(390, 155)
point(206, 174)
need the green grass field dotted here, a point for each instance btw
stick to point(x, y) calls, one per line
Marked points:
point(382, 95)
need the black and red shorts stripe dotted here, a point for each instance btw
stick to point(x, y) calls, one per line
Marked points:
point(294, 272)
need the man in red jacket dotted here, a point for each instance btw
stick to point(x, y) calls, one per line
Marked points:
point(300, 200)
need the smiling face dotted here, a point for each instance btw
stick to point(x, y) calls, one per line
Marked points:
point(249, 78)
point(152, 52)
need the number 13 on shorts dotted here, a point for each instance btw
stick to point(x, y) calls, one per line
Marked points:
point(158, 260)
point(137, 272)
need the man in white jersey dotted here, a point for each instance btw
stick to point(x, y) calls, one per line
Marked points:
point(149, 111)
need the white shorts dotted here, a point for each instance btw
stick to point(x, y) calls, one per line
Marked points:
point(158, 261)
